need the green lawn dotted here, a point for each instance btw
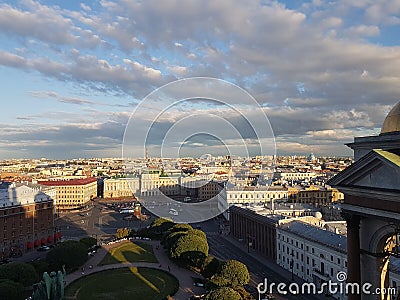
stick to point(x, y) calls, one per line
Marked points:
point(129, 252)
point(124, 283)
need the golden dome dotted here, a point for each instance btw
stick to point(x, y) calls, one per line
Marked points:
point(392, 121)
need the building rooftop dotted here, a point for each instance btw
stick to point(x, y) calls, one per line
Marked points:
point(83, 181)
point(317, 235)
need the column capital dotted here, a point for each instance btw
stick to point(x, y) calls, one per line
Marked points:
point(353, 220)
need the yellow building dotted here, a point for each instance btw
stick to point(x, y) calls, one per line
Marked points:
point(121, 187)
point(73, 193)
point(317, 195)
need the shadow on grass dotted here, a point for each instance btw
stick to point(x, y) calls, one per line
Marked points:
point(124, 283)
point(129, 252)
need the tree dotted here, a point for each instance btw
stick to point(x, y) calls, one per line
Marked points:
point(123, 233)
point(243, 293)
point(234, 272)
point(190, 250)
point(172, 238)
point(40, 266)
point(179, 228)
point(210, 266)
point(224, 293)
point(10, 290)
point(199, 233)
point(187, 243)
point(88, 241)
point(72, 254)
point(22, 273)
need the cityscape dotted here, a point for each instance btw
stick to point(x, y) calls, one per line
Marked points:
point(212, 150)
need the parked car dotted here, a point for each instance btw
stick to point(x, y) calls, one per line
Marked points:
point(43, 248)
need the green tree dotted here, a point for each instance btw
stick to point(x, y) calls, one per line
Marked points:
point(22, 273)
point(234, 272)
point(172, 238)
point(243, 293)
point(10, 290)
point(179, 228)
point(123, 233)
point(40, 266)
point(157, 228)
point(224, 293)
point(190, 250)
point(210, 266)
point(187, 243)
point(72, 254)
point(88, 241)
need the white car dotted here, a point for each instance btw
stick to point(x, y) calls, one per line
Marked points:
point(173, 212)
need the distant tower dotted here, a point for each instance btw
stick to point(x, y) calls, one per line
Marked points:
point(311, 157)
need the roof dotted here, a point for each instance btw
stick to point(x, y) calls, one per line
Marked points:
point(392, 157)
point(317, 235)
point(392, 121)
point(83, 181)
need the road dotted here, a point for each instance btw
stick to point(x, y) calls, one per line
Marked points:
point(222, 248)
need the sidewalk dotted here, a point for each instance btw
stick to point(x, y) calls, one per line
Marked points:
point(186, 288)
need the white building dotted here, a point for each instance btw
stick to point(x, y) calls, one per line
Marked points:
point(288, 176)
point(311, 253)
point(121, 187)
point(241, 195)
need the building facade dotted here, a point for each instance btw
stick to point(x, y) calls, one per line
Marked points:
point(26, 218)
point(257, 231)
point(73, 194)
point(311, 253)
point(121, 187)
point(240, 195)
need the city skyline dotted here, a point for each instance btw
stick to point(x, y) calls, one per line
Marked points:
point(73, 73)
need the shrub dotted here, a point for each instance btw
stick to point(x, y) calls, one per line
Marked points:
point(224, 293)
point(22, 273)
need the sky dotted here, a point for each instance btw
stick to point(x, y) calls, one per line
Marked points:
point(72, 73)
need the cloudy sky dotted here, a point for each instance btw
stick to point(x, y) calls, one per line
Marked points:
point(73, 72)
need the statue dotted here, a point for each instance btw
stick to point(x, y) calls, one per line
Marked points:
point(51, 287)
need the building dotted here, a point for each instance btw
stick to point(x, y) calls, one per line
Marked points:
point(121, 187)
point(295, 176)
point(252, 194)
point(371, 187)
point(317, 195)
point(311, 253)
point(26, 218)
point(256, 230)
point(73, 194)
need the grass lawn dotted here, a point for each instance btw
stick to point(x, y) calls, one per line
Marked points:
point(129, 252)
point(124, 283)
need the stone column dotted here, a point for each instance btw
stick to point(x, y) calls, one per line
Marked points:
point(353, 251)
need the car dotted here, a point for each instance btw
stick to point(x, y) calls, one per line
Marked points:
point(199, 284)
point(43, 248)
point(173, 212)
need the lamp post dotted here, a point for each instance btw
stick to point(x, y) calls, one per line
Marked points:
point(249, 244)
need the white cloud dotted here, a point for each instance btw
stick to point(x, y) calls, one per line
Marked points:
point(132, 47)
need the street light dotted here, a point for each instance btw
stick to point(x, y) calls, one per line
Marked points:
point(249, 244)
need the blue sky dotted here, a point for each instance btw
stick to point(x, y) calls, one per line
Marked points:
point(72, 72)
